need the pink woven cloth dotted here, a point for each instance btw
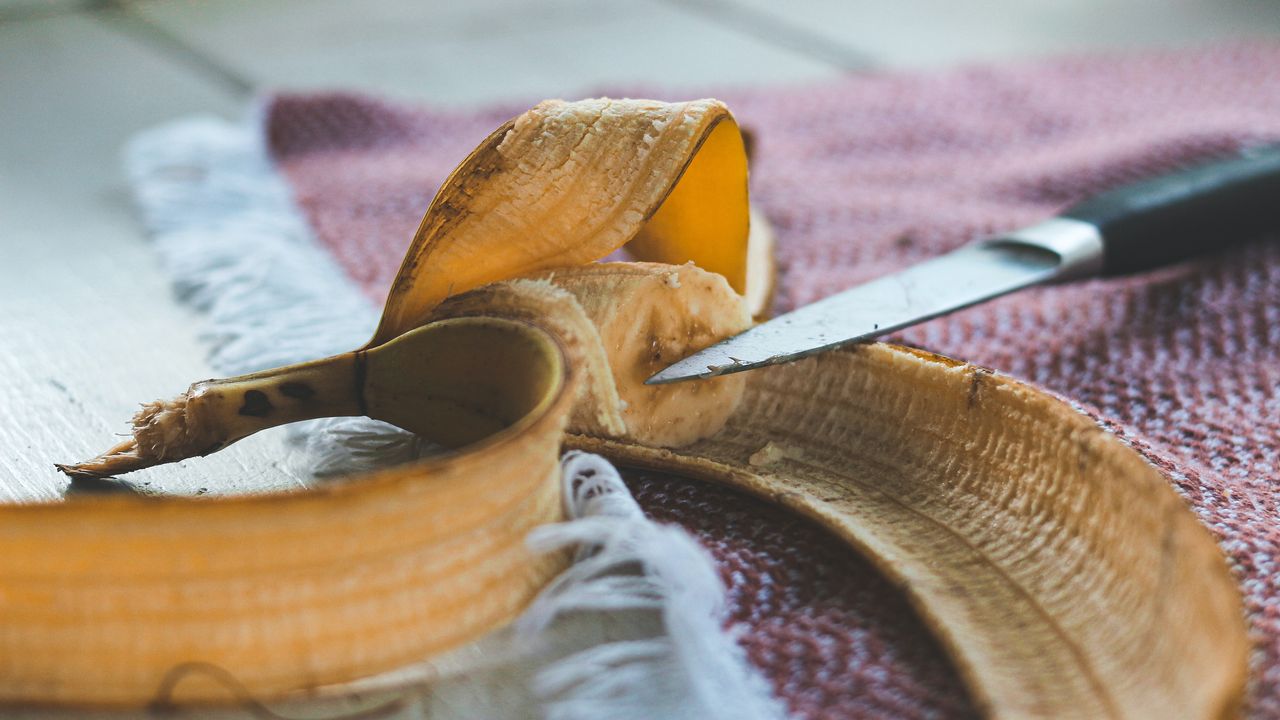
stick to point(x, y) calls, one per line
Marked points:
point(870, 173)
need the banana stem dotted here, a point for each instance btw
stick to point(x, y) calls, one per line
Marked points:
point(212, 414)
point(122, 457)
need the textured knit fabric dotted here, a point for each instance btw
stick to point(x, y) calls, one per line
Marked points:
point(866, 175)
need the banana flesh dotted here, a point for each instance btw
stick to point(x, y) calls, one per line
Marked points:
point(640, 316)
point(648, 316)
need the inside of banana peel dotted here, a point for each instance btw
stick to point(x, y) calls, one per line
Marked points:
point(1055, 564)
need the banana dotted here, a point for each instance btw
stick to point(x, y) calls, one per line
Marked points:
point(497, 369)
point(648, 316)
point(599, 408)
point(108, 599)
point(567, 183)
point(639, 316)
point(561, 185)
point(1056, 566)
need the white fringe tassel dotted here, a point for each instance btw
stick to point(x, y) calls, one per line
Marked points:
point(625, 562)
point(226, 228)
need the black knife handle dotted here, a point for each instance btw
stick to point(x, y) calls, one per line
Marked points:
point(1177, 216)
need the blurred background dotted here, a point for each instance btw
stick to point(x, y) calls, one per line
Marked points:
point(89, 325)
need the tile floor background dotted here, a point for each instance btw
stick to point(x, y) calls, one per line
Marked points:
point(87, 324)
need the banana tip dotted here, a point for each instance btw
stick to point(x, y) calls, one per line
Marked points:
point(76, 472)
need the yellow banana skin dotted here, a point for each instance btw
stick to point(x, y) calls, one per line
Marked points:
point(567, 183)
point(103, 597)
point(1056, 566)
point(289, 592)
point(212, 414)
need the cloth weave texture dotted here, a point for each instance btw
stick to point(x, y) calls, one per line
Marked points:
point(868, 174)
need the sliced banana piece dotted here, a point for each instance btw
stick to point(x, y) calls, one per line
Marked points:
point(650, 315)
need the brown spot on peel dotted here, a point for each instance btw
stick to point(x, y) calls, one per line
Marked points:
point(256, 404)
point(297, 390)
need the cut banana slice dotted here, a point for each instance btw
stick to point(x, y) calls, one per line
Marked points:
point(648, 316)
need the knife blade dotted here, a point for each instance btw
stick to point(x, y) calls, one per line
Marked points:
point(1137, 227)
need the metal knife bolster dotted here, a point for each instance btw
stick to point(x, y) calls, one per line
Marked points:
point(1077, 244)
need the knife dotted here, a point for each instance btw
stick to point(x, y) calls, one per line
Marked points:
point(1138, 227)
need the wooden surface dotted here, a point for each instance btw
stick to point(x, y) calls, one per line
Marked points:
point(89, 328)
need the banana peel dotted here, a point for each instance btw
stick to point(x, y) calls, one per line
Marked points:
point(1057, 567)
point(649, 315)
point(567, 183)
point(104, 597)
point(1054, 564)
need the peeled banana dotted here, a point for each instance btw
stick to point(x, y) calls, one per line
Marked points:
point(1054, 563)
point(648, 316)
point(561, 185)
point(643, 316)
